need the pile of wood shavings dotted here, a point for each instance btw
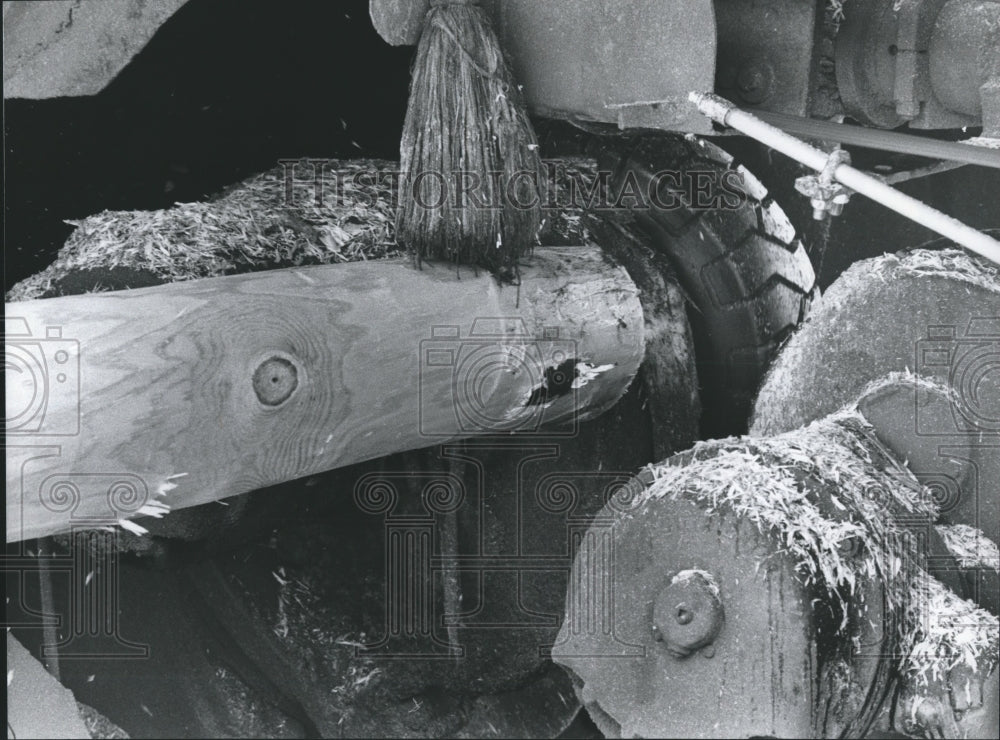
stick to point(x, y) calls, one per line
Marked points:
point(946, 631)
point(947, 263)
point(954, 264)
point(970, 546)
point(290, 216)
point(265, 222)
point(917, 382)
point(760, 479)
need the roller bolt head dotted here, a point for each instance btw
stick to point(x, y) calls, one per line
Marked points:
point(688, 613)
point(755, 82)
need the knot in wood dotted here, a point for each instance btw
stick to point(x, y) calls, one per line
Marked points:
point(275, 380)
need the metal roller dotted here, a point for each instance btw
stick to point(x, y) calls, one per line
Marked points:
point(791, 586)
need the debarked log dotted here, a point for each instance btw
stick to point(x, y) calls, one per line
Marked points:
point(138, 402)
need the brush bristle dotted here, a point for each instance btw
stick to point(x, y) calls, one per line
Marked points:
point(467, 130)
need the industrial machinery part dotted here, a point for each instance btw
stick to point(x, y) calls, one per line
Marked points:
point(787, 586)
point(698, 558)
point(627, 63)
point(924, 63)
point(944, 324)
point(766, 53)
point(826, 196)
point(978, 150)
point(724, 112)
point(930, 64)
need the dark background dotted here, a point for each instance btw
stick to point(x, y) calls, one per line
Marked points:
point(227, 87)
point(223, 90)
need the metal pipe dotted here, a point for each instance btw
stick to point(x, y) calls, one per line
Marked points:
point(724, 112)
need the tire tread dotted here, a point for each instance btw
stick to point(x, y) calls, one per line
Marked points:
point(745, 270)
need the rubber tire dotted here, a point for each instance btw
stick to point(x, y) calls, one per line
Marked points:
point(747, 275)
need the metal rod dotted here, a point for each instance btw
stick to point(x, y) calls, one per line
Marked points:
point(721, 110)
point(932, 169)
point(889, 141)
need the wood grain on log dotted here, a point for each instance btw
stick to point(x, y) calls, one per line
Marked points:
point(192, 392)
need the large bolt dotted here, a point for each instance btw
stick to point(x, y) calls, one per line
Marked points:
point(688, 613)
point(755, 82)
point(837, 204)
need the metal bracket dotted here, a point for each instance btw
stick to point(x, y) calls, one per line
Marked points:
point(828, 197)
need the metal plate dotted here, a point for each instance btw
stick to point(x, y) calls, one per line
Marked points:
point(627, 63)
point(766, 53)
point(630, 64)
point(759, 677)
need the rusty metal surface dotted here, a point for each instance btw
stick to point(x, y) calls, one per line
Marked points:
point(766, 53)
point(67, 48)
